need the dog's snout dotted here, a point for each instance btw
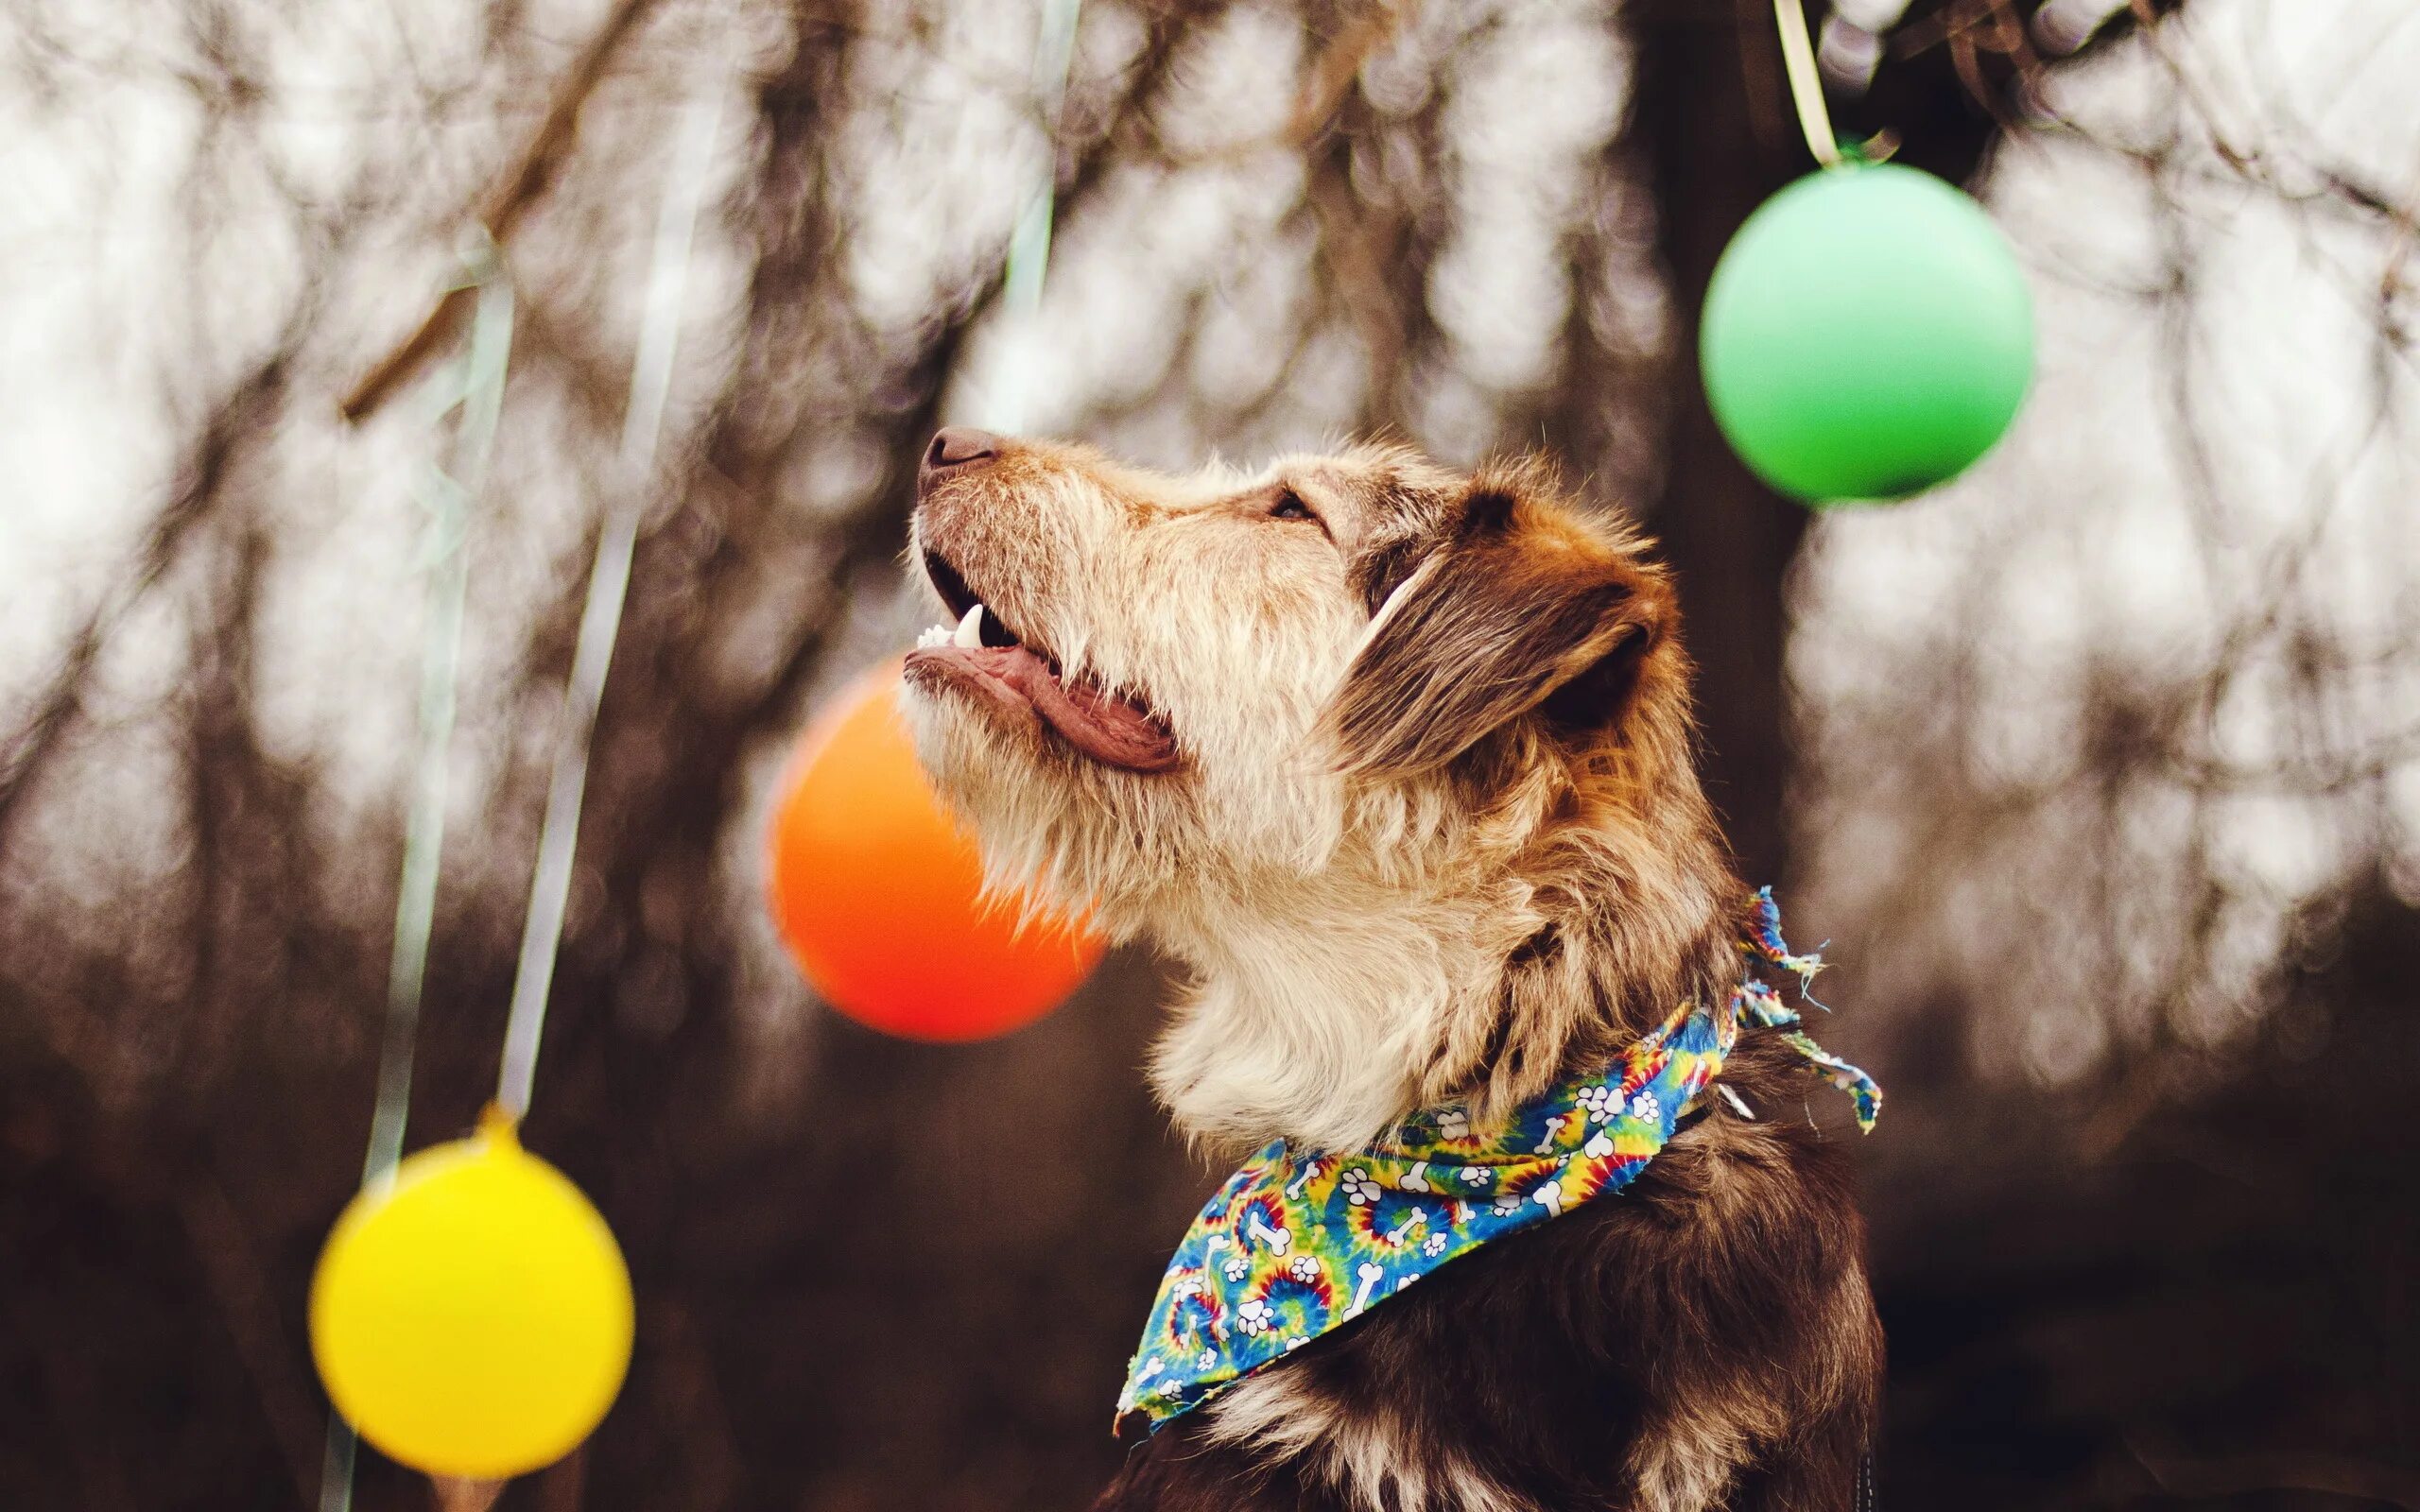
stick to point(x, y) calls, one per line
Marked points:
point(957, 447)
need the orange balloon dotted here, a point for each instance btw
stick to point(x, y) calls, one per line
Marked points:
point(875, 889)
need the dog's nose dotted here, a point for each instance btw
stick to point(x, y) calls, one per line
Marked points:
point(959, 446)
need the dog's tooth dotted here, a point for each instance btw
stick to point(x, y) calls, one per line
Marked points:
point(969, 635)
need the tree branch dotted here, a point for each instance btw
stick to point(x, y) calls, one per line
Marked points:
point(511, 194)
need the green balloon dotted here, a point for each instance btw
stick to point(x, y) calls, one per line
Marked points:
point(1867, 335)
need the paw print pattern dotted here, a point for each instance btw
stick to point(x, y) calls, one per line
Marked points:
point(1476, 1175)
point(1359, 1190)
point(1601, 1101)
point(1453, 1124)
point(1237, 1267)
point(1206, 1360)
point(1304, 1269)
point(1508, 1204)
point(1434, 1245)
point(1645, 1108)
point(1256, 1316)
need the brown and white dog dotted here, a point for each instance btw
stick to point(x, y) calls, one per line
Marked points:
point(1398, 762)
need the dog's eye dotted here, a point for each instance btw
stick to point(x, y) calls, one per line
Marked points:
point(1289, 505)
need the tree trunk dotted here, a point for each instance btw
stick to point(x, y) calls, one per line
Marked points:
point(1711, 127)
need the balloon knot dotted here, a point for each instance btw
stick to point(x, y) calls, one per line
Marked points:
point(500, 1125)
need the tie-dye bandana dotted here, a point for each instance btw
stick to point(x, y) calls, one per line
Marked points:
point(1298, 1242)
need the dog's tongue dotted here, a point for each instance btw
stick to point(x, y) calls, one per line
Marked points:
point(1106, 727)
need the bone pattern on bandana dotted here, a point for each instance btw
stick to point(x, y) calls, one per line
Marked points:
point(1300, 1242)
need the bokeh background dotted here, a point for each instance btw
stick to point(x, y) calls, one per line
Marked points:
point(2100, 770)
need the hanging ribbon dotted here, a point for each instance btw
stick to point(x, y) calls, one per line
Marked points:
point(473, 385)
point(1028, 257)
point(600, 618)
point(1805, 83)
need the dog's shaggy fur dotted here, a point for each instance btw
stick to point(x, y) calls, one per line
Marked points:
point(1430, 826)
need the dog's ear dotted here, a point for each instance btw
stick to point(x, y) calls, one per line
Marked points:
point(1520, 608)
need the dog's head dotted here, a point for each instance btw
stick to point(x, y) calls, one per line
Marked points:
point(1345, 691)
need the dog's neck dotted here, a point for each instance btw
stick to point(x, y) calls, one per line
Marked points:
point(1310, 1020)
point(1326, 1018)
point(1327, 1006)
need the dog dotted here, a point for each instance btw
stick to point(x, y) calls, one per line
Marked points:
point(1398, 763)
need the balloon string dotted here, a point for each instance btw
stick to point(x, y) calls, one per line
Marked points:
point(601, 619)
point(1028, 258)
point(477, 386)
point(1806, 84)
point(474, 384)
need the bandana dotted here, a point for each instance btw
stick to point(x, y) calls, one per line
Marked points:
point(1300, 1242)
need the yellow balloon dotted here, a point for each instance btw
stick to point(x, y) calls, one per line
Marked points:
point(474, 1318)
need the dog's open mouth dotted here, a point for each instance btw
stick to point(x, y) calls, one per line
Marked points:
point(985, 658)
